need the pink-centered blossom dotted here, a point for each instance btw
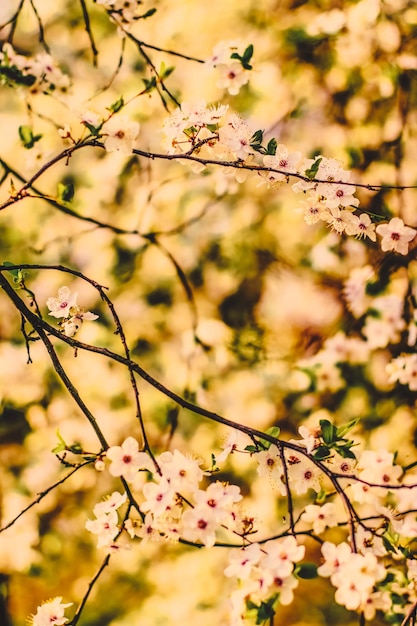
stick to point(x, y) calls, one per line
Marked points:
point(320, 517)
point(126, 460)
point(119, 133)
point(281, 554)
point(51, 613)
point(395, 236)
point(62, 305)
point(241, 562)
point(105, 526)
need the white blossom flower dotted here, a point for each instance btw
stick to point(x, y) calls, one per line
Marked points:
point(395, 235)
point(119, 133)
point(321, 517)
point(361, 226)
point(126, 460)
point(74, 323)
point(62, 305)
point(235, 137)
point(284, 586)
point(51, 613)
point(105, 526)
point(111, 503)
point(281, 554)
point(180, 471)
point(242, 561)
point(232, 76)
point(199, 525)
point(283, 160)
point(159, 496)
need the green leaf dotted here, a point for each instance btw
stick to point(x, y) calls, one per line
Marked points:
point(257, 137)
point(271, 148)
point(389, 547)
point(328, 431)
point(306, 570)
point(65, 192)
point(248, 54)
point(13, 74)
point(274, 431)
point(322, 452)
point(148, 14)
point(251, 449)
point(244, 58)
point(150, 85)
point(62, 446)
point(94, 130)
point(311, 173)
point(27, 137)
point(18, 275)
point(341, 431)
point(345, 452)
point(164, 71)
point(116, 106)
point(14, 273)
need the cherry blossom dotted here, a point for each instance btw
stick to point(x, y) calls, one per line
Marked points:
point(282, 160)
point(395, 236)
point(62, 305)
point(105, 526)
point(119, 133)
point(51, 613)
point(112, 502)
point(241, 562)
point(126, 460)
point(199, 525)
point(159, 496)
point(321, 517)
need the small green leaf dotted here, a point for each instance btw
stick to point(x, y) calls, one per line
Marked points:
point(116, 106)
point(271, 148)
point(248, 54)
point(345, 452)
point(18, 275)
point(94, 130)
point(274, 431)
point(257, 137)
point(65, 192)
point(311, 173)
point(148, 14)
point(62, 446)
point(320, 453)
point(251, 449)
point(244, 58)
point(14, 273)
point(306, 570)
point(389, 547)
point(343, 430)
point(328, 431)
point(27, 137)
point(150, 85)
point(13, 74)
point(164, 71)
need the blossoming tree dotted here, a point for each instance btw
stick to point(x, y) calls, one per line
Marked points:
point(209, 313)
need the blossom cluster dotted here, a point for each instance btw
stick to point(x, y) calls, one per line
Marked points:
point(65, 307)
point(174, 505)
point(39, 74)
point(231, 60)
point(166, 499)
point(207, 132)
